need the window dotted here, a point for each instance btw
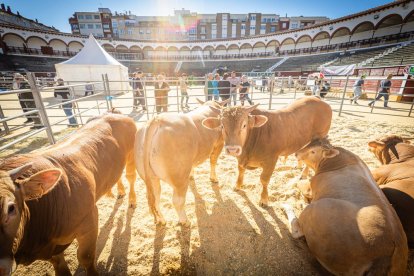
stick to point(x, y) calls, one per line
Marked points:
point(192, 31)
point(82, 26)
point(75, 27)
point(243, 27)
point(106, 26)
point(284, 25)
point(272, 29)
point(252, 28)
point(114, 24)
point(88, 16)
point(90, 26)
point(273, 19)
point(96, 17)
point(213, 26)
point(98, 26)
point(148, 31)
point(141, 31)
point(121, 32)
point(263, 27)
point(80, 16)
point(203, 30)
point(253, 17)
point(130, 32)
point(213, 36)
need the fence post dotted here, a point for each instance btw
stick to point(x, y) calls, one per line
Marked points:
point(40, 106)
point(178, 99)
point(375, 96)
point(144, 84)
point(272, 82)
point(6, 127)
point(343, 96)
point(105, 92)
point(411, 109)
point(108, 91)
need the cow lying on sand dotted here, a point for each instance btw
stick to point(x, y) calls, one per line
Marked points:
point(396, 177)
point(257, 138)
point(41, 221)
point(168, 148)
point(349, 226)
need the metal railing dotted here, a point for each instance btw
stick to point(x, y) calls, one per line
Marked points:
point(271, 92)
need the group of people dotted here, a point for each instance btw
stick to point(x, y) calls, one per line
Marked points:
point(27, 102)
point(322, 87)
point(228, 87)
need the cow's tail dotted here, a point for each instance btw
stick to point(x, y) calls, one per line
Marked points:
point(390, 265)
point(148, 136)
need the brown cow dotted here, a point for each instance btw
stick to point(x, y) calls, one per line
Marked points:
point(91, 161)
point(349, 226)
point(257, 138)
point(396, 177)
point(168, 148)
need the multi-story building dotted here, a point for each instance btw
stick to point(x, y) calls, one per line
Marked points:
point(9, 17)
point(187, 25)
point(97, 23)
point(299, 22)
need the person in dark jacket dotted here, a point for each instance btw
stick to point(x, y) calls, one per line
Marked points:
point(63, 94)
point(224, 87)
point(138, 91)
point(385, 88)
point(161, 89)
point(26, 100)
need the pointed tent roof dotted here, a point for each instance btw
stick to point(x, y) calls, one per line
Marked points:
point(92, 54)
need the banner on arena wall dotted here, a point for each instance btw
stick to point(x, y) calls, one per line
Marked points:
point(343, 70)
point(409, 70)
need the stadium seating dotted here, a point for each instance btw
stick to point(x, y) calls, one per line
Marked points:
point(403, 56)
point(305, 63)
point(355, 57)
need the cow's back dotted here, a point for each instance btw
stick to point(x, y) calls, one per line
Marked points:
point(348, 204)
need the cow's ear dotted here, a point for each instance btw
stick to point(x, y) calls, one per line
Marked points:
point(40, 183)
point(215, 109)
point(376, 144)
point(330, 153)
point(200, 101)
point(211, 123)
point(258, 120)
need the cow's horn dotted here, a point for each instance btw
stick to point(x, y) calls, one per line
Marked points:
point(15, 173)
point(215, 109)
point(200, 101)
point(394, 151)
point(251, 108)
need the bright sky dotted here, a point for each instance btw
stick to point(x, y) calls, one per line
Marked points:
point(56, 12)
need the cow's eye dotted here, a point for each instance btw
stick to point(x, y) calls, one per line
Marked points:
point(11, 210)
point(244, 126)
point(312, 151)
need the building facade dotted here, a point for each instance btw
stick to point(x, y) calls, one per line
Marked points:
point(186, 25)
point(99, 23)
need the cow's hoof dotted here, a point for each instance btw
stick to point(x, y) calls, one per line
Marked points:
point(121, 196)
point(132, 205)
point(263, 204)
point(110, 195)
point(184, 224)
point(191, 177)
point(214, 180)
point(238, 189)
point(161, 223)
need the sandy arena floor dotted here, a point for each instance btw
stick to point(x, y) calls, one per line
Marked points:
point(230, 233)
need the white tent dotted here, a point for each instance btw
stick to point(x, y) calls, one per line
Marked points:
point(89, 65)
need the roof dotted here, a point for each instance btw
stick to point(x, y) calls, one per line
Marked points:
point(92, 54)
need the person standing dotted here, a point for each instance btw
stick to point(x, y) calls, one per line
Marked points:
point(26, 100)
point(210, 87)
point(184, 92)
point(161, 94)
point(138, 91)
point(63, 93)
point(316, 87)
point(385, 87)
point(215, 84)
point(358, 87)
point(224, 87)
point(244, 90)
point(234, 85)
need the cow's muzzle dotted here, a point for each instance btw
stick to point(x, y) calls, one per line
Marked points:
point(233, 150)
point(7, 266)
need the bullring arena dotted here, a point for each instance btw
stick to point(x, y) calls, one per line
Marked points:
point(230, 233)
